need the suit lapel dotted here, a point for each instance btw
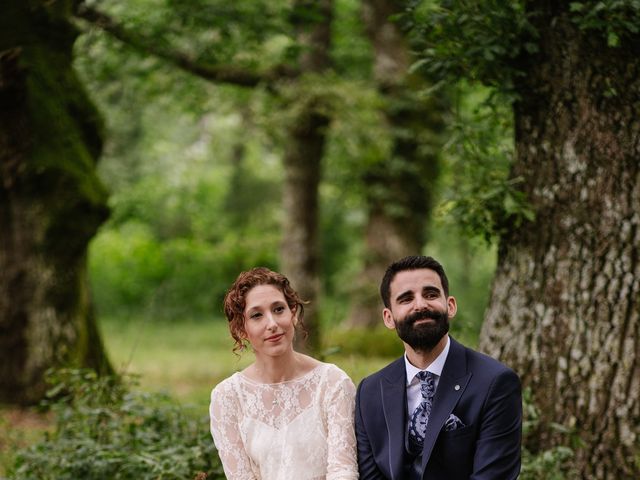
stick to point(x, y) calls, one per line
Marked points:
point(394, 393)
point(451, 386)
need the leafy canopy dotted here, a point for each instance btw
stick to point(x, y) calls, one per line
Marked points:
point(490, 40)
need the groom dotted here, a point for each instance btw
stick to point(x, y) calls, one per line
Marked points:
point(442, 411)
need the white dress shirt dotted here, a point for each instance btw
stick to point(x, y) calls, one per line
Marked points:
point(414, 396)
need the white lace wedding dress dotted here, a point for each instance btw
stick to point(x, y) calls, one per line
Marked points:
point(296, 430)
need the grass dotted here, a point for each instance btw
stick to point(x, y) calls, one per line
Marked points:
point(184, 359)
point(19, 428)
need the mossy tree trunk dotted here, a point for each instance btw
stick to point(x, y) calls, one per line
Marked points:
point(399, 188)
point(565, 305)
point(51, 201)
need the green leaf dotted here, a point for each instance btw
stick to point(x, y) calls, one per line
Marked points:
point(576, 6)
point(510, 205)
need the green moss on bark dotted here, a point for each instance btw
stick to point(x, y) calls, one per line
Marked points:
point(52, 201)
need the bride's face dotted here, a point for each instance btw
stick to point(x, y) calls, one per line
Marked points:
point(269, 323)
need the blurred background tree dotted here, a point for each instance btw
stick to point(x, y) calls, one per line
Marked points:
point(398, 183)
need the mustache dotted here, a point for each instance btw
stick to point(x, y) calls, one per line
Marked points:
point(425, 315)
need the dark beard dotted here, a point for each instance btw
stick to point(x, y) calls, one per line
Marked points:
point(425, 336)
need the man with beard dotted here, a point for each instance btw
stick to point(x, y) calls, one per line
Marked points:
point(442, 411)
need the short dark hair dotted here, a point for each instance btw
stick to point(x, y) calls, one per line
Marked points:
point(413, 262)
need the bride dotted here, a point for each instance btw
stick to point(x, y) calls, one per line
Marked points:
point(287, 415)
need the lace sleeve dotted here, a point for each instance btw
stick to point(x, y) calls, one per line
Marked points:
point(341, 440)
point(225, 429)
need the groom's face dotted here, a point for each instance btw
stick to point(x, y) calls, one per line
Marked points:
point(419, 310)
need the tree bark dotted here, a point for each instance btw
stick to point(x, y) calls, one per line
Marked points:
point(565, 304)
point(51, 202)
point(399, 188)
point(303, 168)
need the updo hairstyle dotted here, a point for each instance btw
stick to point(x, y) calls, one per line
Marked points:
point(235, 300)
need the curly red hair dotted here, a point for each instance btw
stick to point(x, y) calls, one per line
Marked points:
point(235, 300)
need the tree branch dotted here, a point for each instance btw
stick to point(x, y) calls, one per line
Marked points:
point(227, 74)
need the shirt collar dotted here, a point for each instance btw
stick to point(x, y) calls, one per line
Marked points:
point(435, 367)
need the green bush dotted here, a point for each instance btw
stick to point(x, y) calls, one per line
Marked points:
point(126, 265)
point(105, 430)
point(369, 342)
point(551, 464)
point(133, 272)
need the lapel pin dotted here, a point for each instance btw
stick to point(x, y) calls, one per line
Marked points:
point(456, 388)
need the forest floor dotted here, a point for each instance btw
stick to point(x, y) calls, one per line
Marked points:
point(19, 427)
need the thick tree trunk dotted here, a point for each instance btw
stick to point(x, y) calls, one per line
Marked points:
point(302, 163)
point(400, 187)
point(51, 202)
point(565, 305)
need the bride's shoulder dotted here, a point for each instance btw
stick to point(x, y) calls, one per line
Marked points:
point(307, 363)
point(330, 372)
point(226, 386)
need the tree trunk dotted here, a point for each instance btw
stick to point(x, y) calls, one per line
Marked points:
point(302, 163)
point(399, 188)
point(51, 202)
point(564, 310)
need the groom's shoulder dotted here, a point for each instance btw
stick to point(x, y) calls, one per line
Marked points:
point(480, 362)
point(391, 371)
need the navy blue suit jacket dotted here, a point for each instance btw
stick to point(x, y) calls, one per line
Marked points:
point(483, 393)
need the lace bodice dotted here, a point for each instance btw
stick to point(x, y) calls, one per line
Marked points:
point(300, 429)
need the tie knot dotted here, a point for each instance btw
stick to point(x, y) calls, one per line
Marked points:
point(425, 376)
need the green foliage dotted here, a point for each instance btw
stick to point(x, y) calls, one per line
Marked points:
point(195, 189)
point(341, 222)
point(351, 52)
point(470, 264)
point(134, 272)
point(126, 265)
point(359, 137)
point(179, 185)
point(481, 197)
point(104, 429)
point(548, 464)
point(368, 342)
point(195, 169)
point(244, 34)
point(616, 19)
point(479, 39)
point(488, 40)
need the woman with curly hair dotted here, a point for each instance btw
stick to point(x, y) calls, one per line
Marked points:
point(287, 415)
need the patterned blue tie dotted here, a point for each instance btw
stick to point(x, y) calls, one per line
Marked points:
point(420, 416)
